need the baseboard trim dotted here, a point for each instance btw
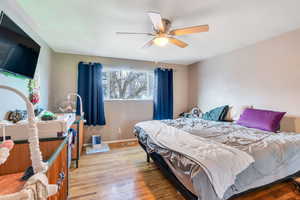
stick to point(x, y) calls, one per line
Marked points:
point(120, 141)
point(114, 141)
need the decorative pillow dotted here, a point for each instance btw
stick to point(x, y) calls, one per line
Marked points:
point(235, 112)
point(216, 114)
point(266, 120)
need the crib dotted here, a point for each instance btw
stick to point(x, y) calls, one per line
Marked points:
point(37, 186)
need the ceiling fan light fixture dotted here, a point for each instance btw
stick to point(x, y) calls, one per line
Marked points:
point(161, 41)
point(162, 35)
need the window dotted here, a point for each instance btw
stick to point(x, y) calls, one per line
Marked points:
point(123, 84)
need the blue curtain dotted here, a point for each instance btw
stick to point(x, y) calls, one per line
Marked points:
point(163, 94)
point(90, 89)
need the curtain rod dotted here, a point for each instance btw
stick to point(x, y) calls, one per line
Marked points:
point(86, 62)
point(165, 68)
point(156, 65)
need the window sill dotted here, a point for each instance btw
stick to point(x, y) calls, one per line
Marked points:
point(114, 100)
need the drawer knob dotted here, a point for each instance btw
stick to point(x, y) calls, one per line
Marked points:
point(61, 178)
point(61, 175)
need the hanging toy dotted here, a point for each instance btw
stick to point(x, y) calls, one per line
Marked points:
point(5, 147)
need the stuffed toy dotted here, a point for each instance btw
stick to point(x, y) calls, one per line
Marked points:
point(5, 147)
point(194, 113)
point(16, 115)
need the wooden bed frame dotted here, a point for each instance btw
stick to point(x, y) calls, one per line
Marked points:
point(163, 166)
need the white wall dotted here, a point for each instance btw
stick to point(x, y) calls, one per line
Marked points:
point(119, 114)
point(10, 101)
point(266, 75)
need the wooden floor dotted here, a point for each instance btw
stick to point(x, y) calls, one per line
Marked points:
point(123, 174)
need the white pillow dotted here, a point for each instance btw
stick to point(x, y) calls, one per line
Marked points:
point(235, 112)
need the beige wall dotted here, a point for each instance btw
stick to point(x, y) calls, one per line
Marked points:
point(120, 115)
point(266, 75)
point(10, 101)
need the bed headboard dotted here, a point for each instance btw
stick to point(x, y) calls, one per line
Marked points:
point(290, 124)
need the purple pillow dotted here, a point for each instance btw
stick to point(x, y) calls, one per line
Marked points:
point(266, 120)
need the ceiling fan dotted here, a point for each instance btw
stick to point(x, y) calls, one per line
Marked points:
point(162, 34)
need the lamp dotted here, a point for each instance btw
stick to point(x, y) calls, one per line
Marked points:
point(161, 41)
point(80, 102)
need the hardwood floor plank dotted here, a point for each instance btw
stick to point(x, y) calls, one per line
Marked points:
point(124, 174)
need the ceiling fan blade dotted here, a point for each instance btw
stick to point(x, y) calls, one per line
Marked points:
point(148, 44)
point(133, 33)
point(157, 22)
point(178, 43)
point(190, 30)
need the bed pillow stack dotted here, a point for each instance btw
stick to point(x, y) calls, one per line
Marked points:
point(216, 114)
point(266, 120)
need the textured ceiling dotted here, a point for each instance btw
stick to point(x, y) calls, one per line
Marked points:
point(88, 26)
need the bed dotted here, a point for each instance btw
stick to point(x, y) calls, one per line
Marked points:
point(275, 156)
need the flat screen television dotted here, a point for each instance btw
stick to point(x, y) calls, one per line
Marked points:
point(18, 52)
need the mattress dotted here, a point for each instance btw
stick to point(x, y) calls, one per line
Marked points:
point(185, 179)
point(276, 155)
point(46, 129)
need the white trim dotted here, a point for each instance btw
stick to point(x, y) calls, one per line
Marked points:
point(107, 68)
point(107, 84)
point(114, 141)
point(108, 100)
point(119, 141)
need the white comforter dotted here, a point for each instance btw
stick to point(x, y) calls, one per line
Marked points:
point(220, 162)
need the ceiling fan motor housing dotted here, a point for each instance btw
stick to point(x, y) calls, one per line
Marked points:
point(167, 25)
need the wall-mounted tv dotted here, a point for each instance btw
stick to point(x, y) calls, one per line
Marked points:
point(18, 52)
